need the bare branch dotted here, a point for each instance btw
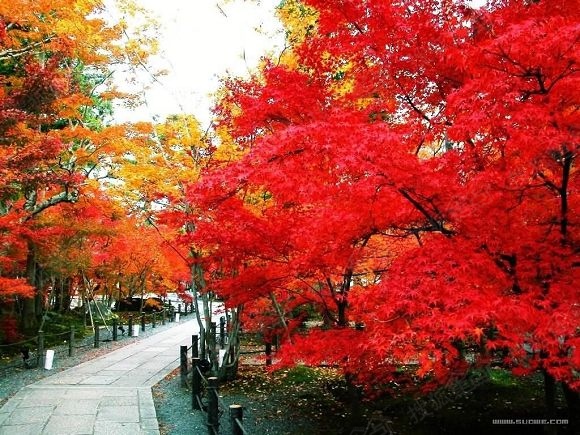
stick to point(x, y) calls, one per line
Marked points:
point(65, 196)
point(436, 223)
point(13, 53)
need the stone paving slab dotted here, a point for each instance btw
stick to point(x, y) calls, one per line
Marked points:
point(23, 429)
point(77, 407)
point(108, 395)
point(3, 417)
point(65, 424)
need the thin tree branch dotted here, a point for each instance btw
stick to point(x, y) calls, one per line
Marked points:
point(14, 53)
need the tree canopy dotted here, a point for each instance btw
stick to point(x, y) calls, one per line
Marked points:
point(403, 173)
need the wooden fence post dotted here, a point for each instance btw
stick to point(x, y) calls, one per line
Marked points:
point(154, 320)
point(213, 419)
point(183, 365)
point(130, 326)
point(268, 353)
point(195, 384)
point(71, 341)
point(194, 346)
point(163, 316)
point(97, 336)
point(143, 322)
point(222, 332)
point(236, 419)
point(115, 331)
point(202, 344)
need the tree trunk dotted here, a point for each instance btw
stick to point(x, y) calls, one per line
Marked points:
point(355, 395)
point(573, 402)
point(327, 318)
point(280, 313)
point(229, 365)
point(66, 296)
point(29, 319)
point(39, 299)
point(143, 283)
point(58, 291)
point(198, 290)
point(342, 317)
point(550, 397)
point(342, 298)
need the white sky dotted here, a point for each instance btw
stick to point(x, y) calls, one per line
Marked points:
point(198, 44)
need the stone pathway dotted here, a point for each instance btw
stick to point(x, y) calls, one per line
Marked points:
point(108, 395)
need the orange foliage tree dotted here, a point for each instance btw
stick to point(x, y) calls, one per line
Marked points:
point(54, 70)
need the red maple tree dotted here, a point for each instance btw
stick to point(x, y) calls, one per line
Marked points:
point(413, 170)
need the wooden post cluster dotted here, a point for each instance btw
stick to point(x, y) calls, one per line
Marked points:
point(213, 416)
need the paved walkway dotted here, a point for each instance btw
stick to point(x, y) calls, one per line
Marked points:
point(108, 395)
